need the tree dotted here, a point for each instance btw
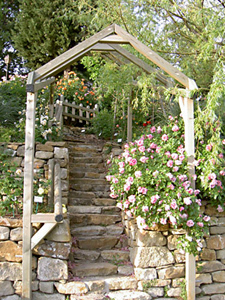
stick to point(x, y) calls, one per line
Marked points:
point(45, 29)
point(8, 12)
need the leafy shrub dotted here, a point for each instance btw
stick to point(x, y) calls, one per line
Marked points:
point(103, 124)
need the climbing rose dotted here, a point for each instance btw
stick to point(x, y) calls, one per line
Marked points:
point(190, 223)
point(138, 174)
point(175, 128)
point(165, 137)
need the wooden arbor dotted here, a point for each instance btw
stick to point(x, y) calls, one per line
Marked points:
point(107, 41)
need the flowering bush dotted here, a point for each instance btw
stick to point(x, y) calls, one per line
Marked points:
point(150, 181)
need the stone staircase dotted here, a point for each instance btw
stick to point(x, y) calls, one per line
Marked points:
point(100, 255)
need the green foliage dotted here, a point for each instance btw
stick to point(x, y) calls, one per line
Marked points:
point(103, 124)
point(12, 100)
point(11, 186)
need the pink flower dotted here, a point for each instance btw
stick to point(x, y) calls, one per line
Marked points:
point(144, 159)
point(115, 180)
point(175, 128)
point(175, 169)
point(200, 224)
point(163, 221)
point(171, 186)
point(167, 207)
point(190, 223)
point(171, 118)
point(150, 136)
point(140, 222)
point(187, 201)
point(119, 205)
point(112, 195)
point(132, 162)
point(138, 174)
point(141, 148)
point(145, 208)
point(159, 129)
point(219, 208)
point(155, 174)
point(108, 178)
point(170, 163)
point(222, 172)
point(154, 199)
point(181, 149)
point(126, 187)
point(173, 204)
point(126, 204)
point(212, 176)
point(167, 153)
point(140, 142)
point(108, 161)
point(178, 162)
point(133, 150)
point(121, 164)
point(121, 170)
point(153, 129)
point(142, 190)
point(153, 146)
point(157, 150)
point(223, 142)
point(196, 192)
point(209, 147)
point(198, 201)
point(181, 157)
point(132, 198)
point(172, 220)
point(184, 216)
point(165, 137)
point(129, 214)
point(130, 180)
point(126, 146)
point(174, 156)
point(221, 155)
point(206, 218)
point(181, 208)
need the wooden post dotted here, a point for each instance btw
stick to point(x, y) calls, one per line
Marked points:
point(51, 178)
point(96, 109)
point(51, 106)
point(57, 194)
point(73, 110)
point(81, 112)
point(28, 196)
point(129, 119)
point(66, 109)
point(187, 109)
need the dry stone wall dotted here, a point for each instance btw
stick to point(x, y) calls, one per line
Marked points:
point(158, 266)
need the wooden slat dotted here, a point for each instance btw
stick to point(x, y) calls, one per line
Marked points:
point(76, 117)
point(41, 233)
point(101, 47)
point(143, 65)
point(69, 56)
point(78, 107)
point(43, 218)
point(114, 39)
point(57, 193)
point(129, 119)
point(42, 84)
point(28, 195)
point(154, 57)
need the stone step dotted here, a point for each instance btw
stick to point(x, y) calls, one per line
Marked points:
point(84, 147)
point(88, 167)
point(84, 255)
point(94, 269)
point(96, 242)
point(83, 174)
point(91, 209)
point(89, 181)
point(79, 201)
point(104, 201)
point(80, 220)
point(116, 256)
point(86, 160)
point(97, 230)
point(89, 187)
point(84, 195)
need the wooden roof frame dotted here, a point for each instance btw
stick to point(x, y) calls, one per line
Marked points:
point(106, 40)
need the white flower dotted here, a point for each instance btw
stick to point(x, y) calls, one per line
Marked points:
point(18, 171)
point(41, 191)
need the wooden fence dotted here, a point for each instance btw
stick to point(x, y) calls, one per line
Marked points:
point(65, 110)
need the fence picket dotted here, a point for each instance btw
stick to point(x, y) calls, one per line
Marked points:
point(80, 112)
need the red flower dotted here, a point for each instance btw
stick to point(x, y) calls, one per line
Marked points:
point(144, 124)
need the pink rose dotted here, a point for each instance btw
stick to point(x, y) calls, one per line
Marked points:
point(138, 174)
point(190, 223)
point(209, 147)
point(219, 208)
point(175, 128)
point(126, 187)
point(187, 201)
point(144, 159)
point(206, 218)
point(153, 129)
point(132, 198)
point(141, 148)
point(170, 163)
point(132, 162)
point(165, 137)
point(200, 224)
point(174, 156)
point(115, 180)
point(173, 204)
point(145, 208)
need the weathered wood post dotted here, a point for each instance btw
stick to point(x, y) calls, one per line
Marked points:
point(28, 195)
point(187, 109)
point(129, 118)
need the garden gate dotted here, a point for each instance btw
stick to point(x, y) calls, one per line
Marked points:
point(108, 43)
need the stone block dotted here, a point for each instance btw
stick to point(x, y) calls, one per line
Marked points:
point(145, 274)
point(13, 297)
point(16, 161)
point(215, 288)
point(44, 147)
point(174, 292)
point(153, 282)
point(64, 173)
point(172, 272)
point(150, 238)
point(216, 242)
point(42, 296)
point(145, 257)
point(125, 270)
point(4, 233)
point(217, 230)
point(208, 254)
point(18, 286)
point(53, 249)
point(61, 153)
point(64, 185)
point(11, 251)
point(220, 254)
point(50, 269)
point(12, 223)
point(179, 256)
point(219, 276)
point(172, 242)
point(121, 283)
point(43, 155)
point(75, 287)
point(10, 271)
point(46, 287)
point(90, 255)
point(217, 297)
point(61, 233)
point(21, 150)
point(210, 266)
point(128, 295)
point(203, 279)
point(155, 292)
point(16, 234)
point(6, 288)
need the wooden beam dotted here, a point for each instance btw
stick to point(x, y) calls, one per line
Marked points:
point(41, 233)
point(43, 218)
point(40, 85)
point(129, 118)
point(28, 195)
point(114, 39)
point(143, 65)
point(71, 55)
point(101, 47)
point(154, 57)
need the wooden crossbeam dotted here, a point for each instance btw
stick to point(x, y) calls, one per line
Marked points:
point(41, 233)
